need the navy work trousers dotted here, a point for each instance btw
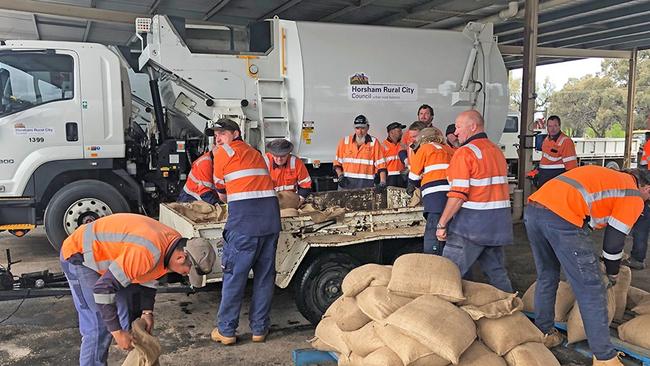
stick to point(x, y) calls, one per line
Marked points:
point(558, 243)
point(241, 253)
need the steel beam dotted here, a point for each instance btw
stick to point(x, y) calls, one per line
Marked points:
point(215, 9)
point(277, 11)
point(410, 11)
point(527, 94)
point(631, 94)
point(87, 31)
point(565, 52)
point(561, 26)
point(153, 9)
point(36, 32)
point(347, 9)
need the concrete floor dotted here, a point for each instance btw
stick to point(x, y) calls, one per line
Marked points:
point(44, 330)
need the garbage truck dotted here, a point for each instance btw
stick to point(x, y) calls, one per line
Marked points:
point(76, 145)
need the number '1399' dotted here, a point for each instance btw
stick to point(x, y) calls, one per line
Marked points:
point(36, 139)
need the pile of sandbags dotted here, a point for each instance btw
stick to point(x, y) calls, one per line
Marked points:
point(291, 206)
point(420, 312)
point(200, 211)
point(635, 331)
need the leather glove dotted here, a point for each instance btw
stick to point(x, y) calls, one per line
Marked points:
point(344, 181)
point(381, 187)
point(410, 189)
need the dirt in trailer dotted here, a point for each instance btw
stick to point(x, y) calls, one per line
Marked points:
point(44, 331)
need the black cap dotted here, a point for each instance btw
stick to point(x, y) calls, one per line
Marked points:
point(279, 147)
point(395, 125)
point(360, 120)
point(222, 124)
point(450, 129)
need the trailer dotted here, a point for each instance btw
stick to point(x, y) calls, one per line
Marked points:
point(315, 257)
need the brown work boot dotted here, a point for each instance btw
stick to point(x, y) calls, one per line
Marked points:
point(217, 337)
point(553, 338)
point(616, 361)
point(260, 338)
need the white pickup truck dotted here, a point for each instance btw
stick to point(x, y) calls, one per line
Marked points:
point(315, 257)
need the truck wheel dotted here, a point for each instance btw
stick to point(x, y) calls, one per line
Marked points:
point(79, 203)
point(318, 283)
point(612, 164)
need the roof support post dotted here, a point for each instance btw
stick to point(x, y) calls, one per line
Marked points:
point(527, 94)
point(631, 96)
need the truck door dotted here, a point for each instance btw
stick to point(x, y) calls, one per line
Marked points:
point(40, 113)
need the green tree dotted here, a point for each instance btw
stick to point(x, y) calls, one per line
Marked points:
point(591, 104)
point(544, 91)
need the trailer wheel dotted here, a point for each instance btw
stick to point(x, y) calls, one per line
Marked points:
point(318, 283)
point(613, 164)
point(79, 203)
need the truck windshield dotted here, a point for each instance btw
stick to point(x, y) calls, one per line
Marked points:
point(29, 79)
point(512, 124)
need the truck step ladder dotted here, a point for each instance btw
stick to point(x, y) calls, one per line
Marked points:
point(273, 106)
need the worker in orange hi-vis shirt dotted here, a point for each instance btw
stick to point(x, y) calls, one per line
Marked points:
point(559, 218)
point(287, 171)
point(558, 152)
point(429, 173)
point(395, 154)
point(479, 203)
point(359, 157)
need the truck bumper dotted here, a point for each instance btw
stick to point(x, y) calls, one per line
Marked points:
point(19, 210)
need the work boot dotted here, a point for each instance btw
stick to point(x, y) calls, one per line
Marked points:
point(616, 361)
point(635, 264)
point(553, 338)
point(219, 338)
point(260, 338)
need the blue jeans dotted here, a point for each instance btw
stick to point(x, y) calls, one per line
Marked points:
point(640, 233)
point(241, 253)
point(558, 243)
point(95, 338)
point(491, 258)
point(431, 243)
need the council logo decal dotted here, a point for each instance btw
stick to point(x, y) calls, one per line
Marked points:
point(361, 89)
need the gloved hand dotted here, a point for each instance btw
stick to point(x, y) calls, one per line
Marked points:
point(381, 187)
point(410, 189)
point(343, 181)
point(611, 280)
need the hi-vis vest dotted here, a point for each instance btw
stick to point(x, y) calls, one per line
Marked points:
point(360, 162)
point(429, 167)
point(606, 196)
point(241, 172)
point(199, 181)
point(558, 154)
point(289, 177)
point(391, 155)
point(131, 246)
point(646, 155)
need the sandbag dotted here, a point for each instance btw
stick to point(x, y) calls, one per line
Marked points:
point(479, 355)
point(289, 212)
point(347, 314)
point(635, 296)
point(363, 276)
point(575, 327)
point(564, 300)
point(363, 341)
point(643, 307)
point(423, 274)
point(330, 337)
point(495, 310)
point(410, 351)
point(146, 348)
point(531, 354)
point(288, 199)
point(479, 294)
point(441, 326)
point(506, 333)
point(620, 291)
point(331, 213)
point(350, 360)
point(200, 211)
point(377, 303)
point(636, 331)
point(382, 357)
point(416, 199)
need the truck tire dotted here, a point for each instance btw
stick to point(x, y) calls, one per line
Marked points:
point(613, 164)
point(79, 203)
point(318, 283)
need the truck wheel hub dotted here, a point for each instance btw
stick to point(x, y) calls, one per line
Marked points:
point(84, 211)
